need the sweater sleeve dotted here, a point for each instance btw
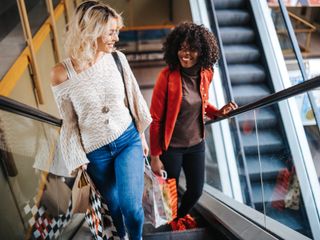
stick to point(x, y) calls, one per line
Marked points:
point(158, 114)
point(70, 140)
point(138, 105)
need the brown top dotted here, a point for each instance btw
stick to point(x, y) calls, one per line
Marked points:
point(188, 128)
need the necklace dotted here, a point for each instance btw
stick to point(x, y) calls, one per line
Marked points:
point(104, 108)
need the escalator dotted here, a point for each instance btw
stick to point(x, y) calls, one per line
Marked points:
point(31, 137)
point(250, 80)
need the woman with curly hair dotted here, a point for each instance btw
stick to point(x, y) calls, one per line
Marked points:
point(179, 107)
point(104, 114)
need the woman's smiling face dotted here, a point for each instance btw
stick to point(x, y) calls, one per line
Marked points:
point(188, 57)
point(107, 41)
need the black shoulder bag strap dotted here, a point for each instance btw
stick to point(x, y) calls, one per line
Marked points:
point(120, 68)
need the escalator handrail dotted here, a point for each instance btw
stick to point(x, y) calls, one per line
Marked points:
point(274, 98)
point(13, 106)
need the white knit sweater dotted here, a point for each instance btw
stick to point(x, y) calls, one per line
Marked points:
point(80, 100)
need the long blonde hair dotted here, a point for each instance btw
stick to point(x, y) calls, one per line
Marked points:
point(88, 23)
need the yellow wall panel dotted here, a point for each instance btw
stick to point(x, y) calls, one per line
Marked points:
point(46, 60)
point(23, 90)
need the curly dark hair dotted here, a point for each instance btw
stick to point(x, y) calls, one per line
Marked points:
point(197, 37)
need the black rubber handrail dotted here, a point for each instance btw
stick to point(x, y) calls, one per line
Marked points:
point(13, 106)
point(274, 98)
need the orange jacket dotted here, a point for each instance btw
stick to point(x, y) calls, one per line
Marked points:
point(165, 106)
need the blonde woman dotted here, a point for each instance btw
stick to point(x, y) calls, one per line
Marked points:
point(104, 116)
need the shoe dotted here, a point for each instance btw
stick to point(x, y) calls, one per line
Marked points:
point(189, 222)
point(178, 224)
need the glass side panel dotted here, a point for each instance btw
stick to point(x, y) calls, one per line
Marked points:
point(269, 164)
point(212, 173)
point(12, 40)
point(282, 160)
point(230, 159)
point(28, 150)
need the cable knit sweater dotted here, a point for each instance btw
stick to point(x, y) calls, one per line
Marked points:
point(80, 100)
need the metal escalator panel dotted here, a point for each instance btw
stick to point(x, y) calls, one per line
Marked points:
point(30, 208)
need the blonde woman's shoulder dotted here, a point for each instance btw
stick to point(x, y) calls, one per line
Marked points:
point(58, 74)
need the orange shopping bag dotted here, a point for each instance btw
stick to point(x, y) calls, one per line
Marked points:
point(169, 194)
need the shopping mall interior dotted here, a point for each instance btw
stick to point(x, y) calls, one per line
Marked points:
point(262, 161)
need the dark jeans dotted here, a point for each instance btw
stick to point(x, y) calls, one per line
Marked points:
point(191, 159)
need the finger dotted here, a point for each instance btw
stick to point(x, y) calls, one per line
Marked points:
point(234, 105)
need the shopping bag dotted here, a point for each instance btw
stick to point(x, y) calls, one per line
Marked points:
point(156, 209)
point(98, 216)
point(292, 199)
point(41, 224)
point(56, 195)
point(81, 192)
point(168, 189)
point(281, 189)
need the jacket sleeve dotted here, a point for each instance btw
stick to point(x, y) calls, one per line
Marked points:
point(211, 110)
point(137, 103)
point(158, 114)
point(72, 150)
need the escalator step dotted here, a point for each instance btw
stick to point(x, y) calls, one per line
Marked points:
point(246, 73)
point(271, 164)
point(232, 17)
point(193, 234)
point(237, 35)
point(289, 217)
point(220, 4)
point(265, 118)
point(241, 53)
point(270, 141)
point(246, 93)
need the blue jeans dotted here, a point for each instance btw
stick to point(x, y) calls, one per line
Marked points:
point(117, 171)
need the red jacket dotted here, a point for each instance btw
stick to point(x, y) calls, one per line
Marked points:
point(165, 106)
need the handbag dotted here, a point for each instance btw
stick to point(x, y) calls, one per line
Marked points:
point(81, 192)
point(98, 216)
point(56, 195)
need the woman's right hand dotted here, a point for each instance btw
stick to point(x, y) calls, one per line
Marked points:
point(84, 167)
point(156, 165)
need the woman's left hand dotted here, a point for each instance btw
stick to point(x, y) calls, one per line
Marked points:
point(228, 108)
point(145, 146)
